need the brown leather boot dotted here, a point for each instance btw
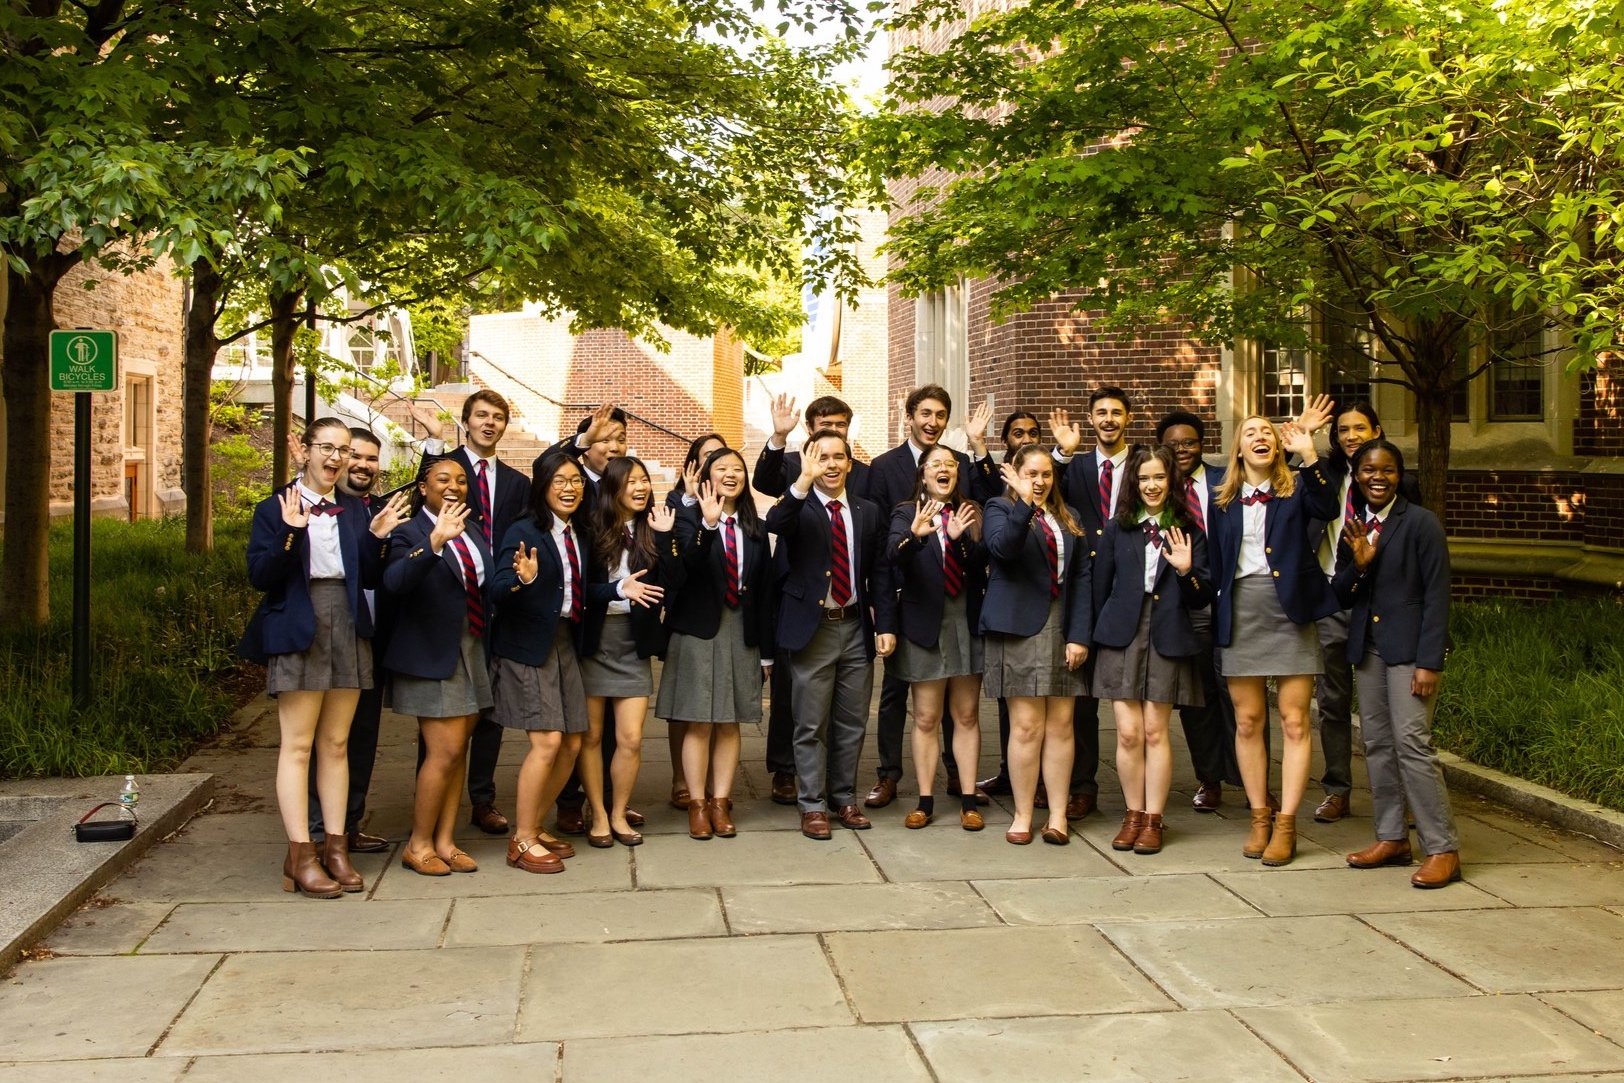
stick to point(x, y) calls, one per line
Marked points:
point(335, 857)
point(699, 826)
point(1283, 842)
point(720, 811)
point(1150, 835)
point(1257, 839)
point(301, 871)
point(1438, 870)
point(1132, 821)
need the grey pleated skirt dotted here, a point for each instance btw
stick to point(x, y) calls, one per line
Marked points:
point(1139, 672)
point(545, 697)
point(467, 691)
point(957, 653)
point(1031, 665)
point(711, 680)
point(615, 670)
point(1263, 641)
point(337, 658)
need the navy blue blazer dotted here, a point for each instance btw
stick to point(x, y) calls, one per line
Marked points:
point(431, 606)
point(913, 571)
point(1119, 594)
point(1401, 605)
point(776, 469)
point(1017, 600)
point(1337, 470)
point(695, 607)
point(893, 474)
point(802, 526)
point(1305, 596)
point(279, 564)
point(1080, 489)
point(527, 614)
point(987, 480)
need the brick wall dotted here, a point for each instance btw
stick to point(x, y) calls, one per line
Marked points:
point(1547, 506)
point(1599, 428)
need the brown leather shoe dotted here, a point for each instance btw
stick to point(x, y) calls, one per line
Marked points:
point(720, 810)
point(1055, 837)
point(783, 788)
point(1332, 809)
point(916, 819)
point(303, 873)
point(955, 790)
point(458, 861)
point(1018, 838)
point(971, 820)
point(570, 820)
point(429, 864)
point(997, 784)
point(1257, 839)
point(1208, 797)
point(1132, 821)
point(557, 846)
point(852, 819)
point(1438, 870)
point(363, 843)
point(815, 825)
point(1080, 805)
point(883, 793)
point(699, 825)
point(531, 856)
point(1382, 852)
point(627, 838)
point(488, 820)
point(635, 818)
point(335, 858)
point(680, 798)
point(1150, 835)
point(1282, 841)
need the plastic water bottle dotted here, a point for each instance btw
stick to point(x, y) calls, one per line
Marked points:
point(130, 794)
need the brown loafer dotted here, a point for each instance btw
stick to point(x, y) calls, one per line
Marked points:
point(1056, 837)
point(488, 820)
point(783, 788)
point(851, 817)
point(1438, 870)
point(557, 846)
point(635, 818)
point(815, 825)
point(916, 819)
point(570, 820)
point(1019, 838)
point(971, 820)
point(461, 862)
point(1208, 797)
point(1382, 852)
point(883, 793)
point(1080, 805)
point(363, 843)
point(680, 798)
point(1332, 809)
point(428, 865)
point(531, 856)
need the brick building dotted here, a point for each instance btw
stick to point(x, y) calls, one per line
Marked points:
point(135, 440)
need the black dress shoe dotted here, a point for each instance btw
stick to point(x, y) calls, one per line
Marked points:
point(488, 820)
point(783, 788)
point(997, 785)
point(1208, 797)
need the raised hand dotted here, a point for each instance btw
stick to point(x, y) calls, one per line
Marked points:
point(925, 513)
point(710, 503)
point(810, 468)
point(1178, 550)
point(633, 589)
point(1316, 414)
point(602, 421)
point(1298, 441)
point(294, 512)
point(525, 564)
point(976, 431)
point(428, 416)
point(1362, 545)
point(391, 515)
point(453, 517)
point(661, 518)
point(784, 417)
point(1068, 434)
point(966, 519)
point(1021, 487)
point(690, 480)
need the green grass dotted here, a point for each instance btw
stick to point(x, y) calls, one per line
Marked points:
point(1537, 691)
point(164, 627)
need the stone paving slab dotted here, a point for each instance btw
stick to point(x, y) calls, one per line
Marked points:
point(761, 857)
point(1592, 884)
point(1602, 1012)
point(1266, 961)
point(85, 1009)
point(954, 854)
point(785, 1056)
point(591, 917)
point(1485, 843)
point(348, 924)
point(148, 1070)
point(1569, 948)
point(116, 928)
point(1168, 1047)
point(1085, 900)
point(1350, 891)
point(588, 870)
point(679, 987)
point(843, 908)
point(1196, 844)
point(498, 1063)
point(1377, 1041)
point(1017, 971)
point(188, 871)
point(362, 1000)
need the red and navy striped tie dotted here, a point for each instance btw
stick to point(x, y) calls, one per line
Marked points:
point(730, 553)
point(839, 557)
point(574, 558)
point(952, 570)
point(470, 588)
point(1053, 553)
point(1193, 498)
point(1107, 468)
point(483, 484)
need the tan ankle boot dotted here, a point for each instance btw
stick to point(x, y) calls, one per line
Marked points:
point(1150, 835)
point(1283, 843)
point(699, 825)
point(301, 871)
point(1257, 839)
point(720, 811)
point(1132, 821)
point(335, 857)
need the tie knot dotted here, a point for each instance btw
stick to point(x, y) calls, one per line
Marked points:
point(834, 507)
point(479, 466)
point(728, 521)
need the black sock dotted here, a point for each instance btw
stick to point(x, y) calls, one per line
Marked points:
point(927, 804)
point(967, 802)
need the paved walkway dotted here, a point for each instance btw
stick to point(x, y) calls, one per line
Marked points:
point(888, 954)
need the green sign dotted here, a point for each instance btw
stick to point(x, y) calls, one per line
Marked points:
point(84, 360)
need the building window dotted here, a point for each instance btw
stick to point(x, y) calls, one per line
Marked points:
point(1283, 372)
point(1350, 350)
point(1517, 376)
point(138, 413)
point(942, 344)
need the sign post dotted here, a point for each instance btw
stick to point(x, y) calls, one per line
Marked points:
point(82, 362)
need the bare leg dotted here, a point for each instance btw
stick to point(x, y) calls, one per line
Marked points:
point(928, 699)
point(696, 755)
point(332, 756)
point(590, 764)
point(445, 843)
point(623, 769)
point(725, 745)
point(1025, 747)
point(533, 775)
point(297, 714)
point(673, 737)
point(1130, 751)
point(1297, 756)
point(1251, 698)
point(1158, 757)
point(1059, 747)
point(964, 702)
point(569, 751)
point(445, 743)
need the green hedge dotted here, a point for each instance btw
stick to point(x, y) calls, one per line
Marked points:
point(164, 627)
point(1537, 691)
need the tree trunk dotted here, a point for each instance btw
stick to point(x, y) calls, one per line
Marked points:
point(196, 430)
point(1434, 413)
point(284, 324)
point(25, 588)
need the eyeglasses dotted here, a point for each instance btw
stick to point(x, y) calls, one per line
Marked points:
point(1184, 445)
point(327, 451)
point(574, 481)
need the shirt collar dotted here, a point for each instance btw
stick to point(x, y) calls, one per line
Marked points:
point(312, 497)
point(824, 500)
point(1380, 516)
point(1116, 460)
point(1247, 488)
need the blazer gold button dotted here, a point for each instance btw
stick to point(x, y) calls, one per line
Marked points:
point(1155, 597)
point(1269, 550)
point(1376, 619)
point(1277, 575)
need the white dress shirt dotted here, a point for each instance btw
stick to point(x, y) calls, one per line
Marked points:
point(321, 536)
point(1254, 522)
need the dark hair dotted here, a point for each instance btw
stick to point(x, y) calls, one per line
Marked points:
point(1109, 392)
point(485, 395)
point(826, 406)
point(358, 433)
point(319, 424)
point(610, 538)
point(929, 391)
point(1127, 514)
point(430, 462)
point(1381, 443)
point(919, 474)
point(823, 434)
point(617, 414)
point(692, 458)
point(1016, 415)
point(744, 508)
point(1179, 417)
point(550, 463)
point(1364, 409)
